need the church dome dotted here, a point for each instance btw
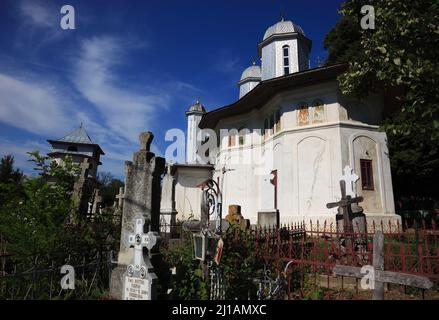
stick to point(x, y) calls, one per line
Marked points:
point(254, 71)
point(283, 26)
point(197, 107)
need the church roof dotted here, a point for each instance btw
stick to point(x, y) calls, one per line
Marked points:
point(77, 136)
point(253, 71)
point(197, 107)
point(283, 26)
point(266, 89)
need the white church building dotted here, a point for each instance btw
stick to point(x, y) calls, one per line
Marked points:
point(299, 133)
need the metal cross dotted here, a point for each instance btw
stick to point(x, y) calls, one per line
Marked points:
point(345, 205)
point(140, 240)
point(350, 178)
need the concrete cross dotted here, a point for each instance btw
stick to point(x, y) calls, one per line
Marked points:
point(378, 276)
point(349, 177)
point(85, 166)
point(141, 240)
point(120, 197)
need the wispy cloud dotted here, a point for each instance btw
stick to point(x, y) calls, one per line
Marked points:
point(32, 105)
point(38, 14)
point(20, 149)
point(127, 108)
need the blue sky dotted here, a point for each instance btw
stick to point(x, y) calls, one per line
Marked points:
point(129, 66)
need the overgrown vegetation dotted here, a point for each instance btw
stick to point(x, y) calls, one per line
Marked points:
point(398, 57)
point(34, 219)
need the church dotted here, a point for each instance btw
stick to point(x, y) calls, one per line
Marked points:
point(299, 133)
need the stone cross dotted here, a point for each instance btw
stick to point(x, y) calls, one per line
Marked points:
point(96, 202)
point(139, 278)
point(349, 177)
point(378, 276)
point(345, 205)
point(145, 140)
point(80, 196)
point(140, 240)
point(120, 197)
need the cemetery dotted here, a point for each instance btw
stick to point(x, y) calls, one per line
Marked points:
point(338, 201)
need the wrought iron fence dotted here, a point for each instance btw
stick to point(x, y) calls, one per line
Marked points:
point(301, 252)
point(40, 277)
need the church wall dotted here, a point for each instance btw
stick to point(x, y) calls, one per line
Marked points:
point(368, 143)
point(187, 194)
point(368, 111)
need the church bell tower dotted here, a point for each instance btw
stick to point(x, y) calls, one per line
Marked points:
point(194, 115)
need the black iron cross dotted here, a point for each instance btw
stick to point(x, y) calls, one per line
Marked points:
point(345, 205)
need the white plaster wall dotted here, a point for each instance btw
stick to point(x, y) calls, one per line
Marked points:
point(187, 194)
point(247, 87)
point(192, 131)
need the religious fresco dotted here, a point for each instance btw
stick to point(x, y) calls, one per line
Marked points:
point(303, 118)
point(318, 112)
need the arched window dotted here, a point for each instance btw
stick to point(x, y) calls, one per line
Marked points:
point(303, 114)
point(318, 111)
point(277, 121)
point(266, 129)
point(72, 148)
point(286, 59)
point(231, 139)
point(241, 136)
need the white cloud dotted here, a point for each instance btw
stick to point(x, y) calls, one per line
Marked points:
point(37, 14)
point(127, 109)
point(32, 105)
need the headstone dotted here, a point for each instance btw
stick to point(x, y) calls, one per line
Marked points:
point(377, 274)
point(167, 207)
point(81, 193)
point(141, 199)
point(235, 217)
point(140, 280)
point(97, 200)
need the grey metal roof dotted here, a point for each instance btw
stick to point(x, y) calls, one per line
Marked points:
point(197, 107)
point(253, 71)
point(77, 136)
point(283, 26)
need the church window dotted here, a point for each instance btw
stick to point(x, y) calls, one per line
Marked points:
point(231, 140)
point(366, 174)
point(286, 56)
point(72, 148)
point(241, 138)
point(277, 121)
point(318, 111)
point(303, 114)
point(266, 129)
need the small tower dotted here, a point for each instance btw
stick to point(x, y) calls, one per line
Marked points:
point(194, 115)
point(78, 145)
point(250, 78)
point(284, 50)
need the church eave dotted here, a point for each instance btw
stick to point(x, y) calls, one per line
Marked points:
point(77, 143)
point(266, 89)
point(283, 36)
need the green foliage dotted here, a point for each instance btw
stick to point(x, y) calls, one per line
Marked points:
point(188, 283)
point(400, 54)
point(239, 265)
point(108, 188)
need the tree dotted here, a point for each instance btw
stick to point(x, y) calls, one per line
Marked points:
point(109, 187)
point(7, 172)
point(400, 53)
